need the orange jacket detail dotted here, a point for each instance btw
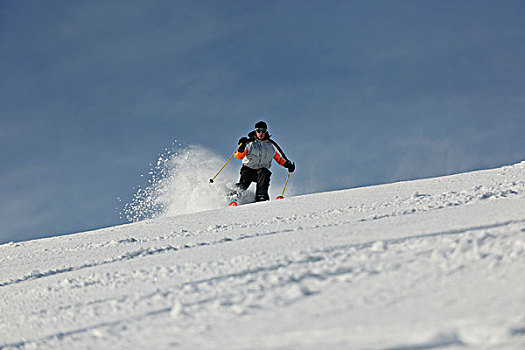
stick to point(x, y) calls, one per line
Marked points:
point(279, 159)
point(241, 155)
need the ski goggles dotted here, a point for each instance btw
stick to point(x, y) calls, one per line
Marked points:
point(261, 130)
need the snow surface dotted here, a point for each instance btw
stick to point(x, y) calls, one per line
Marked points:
point(426, 264)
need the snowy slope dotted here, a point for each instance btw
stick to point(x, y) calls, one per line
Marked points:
point(434, 263)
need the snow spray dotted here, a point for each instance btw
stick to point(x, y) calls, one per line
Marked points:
point(179, 184)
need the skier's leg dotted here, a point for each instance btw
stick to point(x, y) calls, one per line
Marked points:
point(248, 176)
point(263, 184)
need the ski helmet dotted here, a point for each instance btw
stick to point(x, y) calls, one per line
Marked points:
point(261, 125)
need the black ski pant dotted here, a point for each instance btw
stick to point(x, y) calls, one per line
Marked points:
point(260, 176)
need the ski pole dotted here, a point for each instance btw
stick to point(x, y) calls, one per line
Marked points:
point(284, 189)
point(211, 180)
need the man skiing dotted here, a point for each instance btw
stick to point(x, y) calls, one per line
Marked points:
point(256, 152)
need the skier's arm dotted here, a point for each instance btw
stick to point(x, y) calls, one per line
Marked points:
point(285, 163)
point(279, 159)
point(241, 155)
point(242, 150)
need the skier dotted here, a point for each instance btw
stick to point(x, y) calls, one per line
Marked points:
point(256, 152)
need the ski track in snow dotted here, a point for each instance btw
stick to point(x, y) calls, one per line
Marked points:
point(425, 264)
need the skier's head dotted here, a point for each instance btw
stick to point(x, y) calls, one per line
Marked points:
point(261, 129)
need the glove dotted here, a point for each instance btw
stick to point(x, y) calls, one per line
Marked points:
point(290, 166)
point(243, 141)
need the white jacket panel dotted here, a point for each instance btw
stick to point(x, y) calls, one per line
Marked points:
point(260, 154)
